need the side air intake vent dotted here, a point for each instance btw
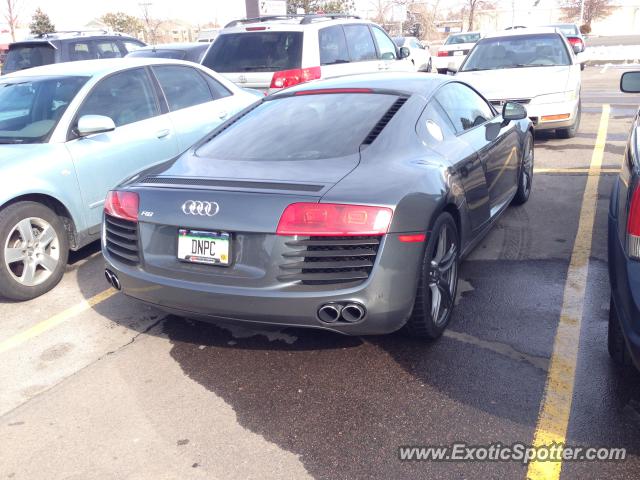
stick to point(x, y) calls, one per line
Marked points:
point(386, 118)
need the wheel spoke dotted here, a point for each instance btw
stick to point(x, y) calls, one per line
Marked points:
point(12, 255)
point(442, 245)
point(445, 291)
point(26, 230)
point(48, 262)
point(47, 236)
point(448, 260)
point(29, 273)
point(436, 298)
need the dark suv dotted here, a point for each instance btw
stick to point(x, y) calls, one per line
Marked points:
point(67, 47)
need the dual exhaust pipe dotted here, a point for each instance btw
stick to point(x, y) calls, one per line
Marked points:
point(112, 279)
point(350, 312)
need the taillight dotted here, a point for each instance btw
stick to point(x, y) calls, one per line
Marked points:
point(122, 205)
point(633, 225)
point(576, 41)
point(289, 78)
point(443, 53)
point(330, 219)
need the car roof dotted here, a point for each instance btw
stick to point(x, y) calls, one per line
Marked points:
point(173, 46)
point(522, 32)
point(296, 23)
point(92, 67)
point(411, 83)
point(465, 33)
point(72, 35)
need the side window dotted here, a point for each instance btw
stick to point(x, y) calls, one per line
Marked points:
point(217, 89)
point(465, 108)
point(107, 49)
point(435, 125)
point(131, 46)
point(385, 45)
point(125, 97)
point(183, 86)
point(80, 51)
point(360, 42)
point(333, 46)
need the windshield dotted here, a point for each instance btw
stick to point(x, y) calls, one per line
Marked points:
point(27, 56)
point(543, 50)
point(255, 52)
point(462, 38)
point(305, 127)
point(31, 108)
point(399, 41)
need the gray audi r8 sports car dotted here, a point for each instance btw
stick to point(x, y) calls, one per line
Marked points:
point(344, 204)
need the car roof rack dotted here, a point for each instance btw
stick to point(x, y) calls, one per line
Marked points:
point(305, 19)
point(77, 33)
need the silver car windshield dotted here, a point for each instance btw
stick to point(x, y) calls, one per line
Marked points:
point(545, 50)
point(462, 38)
point(30, 108)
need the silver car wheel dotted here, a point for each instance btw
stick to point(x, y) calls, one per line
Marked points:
point(32, 251)
point(443, 275)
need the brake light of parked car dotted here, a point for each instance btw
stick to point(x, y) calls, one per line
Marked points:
point(289, 78)
point(255, 29)
point(330, 219)
point(122, 205)
point(633, 225)
point(443, 53)
point(576, 41)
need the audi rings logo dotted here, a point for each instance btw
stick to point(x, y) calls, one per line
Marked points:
point(196, 207)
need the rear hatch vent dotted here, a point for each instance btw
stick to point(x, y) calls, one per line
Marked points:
point(330, 260)
point(386, 118)
point(241, 184)
point(121, 239)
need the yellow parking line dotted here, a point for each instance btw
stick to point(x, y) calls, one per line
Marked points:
point(576, 170)
point(54, 321)
point(555, 409)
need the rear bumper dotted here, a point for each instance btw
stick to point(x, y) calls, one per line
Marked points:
point(443, 63)
point(624, 276)
point(388, 295)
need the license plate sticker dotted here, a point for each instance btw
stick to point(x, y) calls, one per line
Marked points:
point(197, 246)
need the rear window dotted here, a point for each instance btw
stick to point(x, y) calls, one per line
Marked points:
point(27, 56)
point(255, 52)
point(307, 127)
point(463, 38)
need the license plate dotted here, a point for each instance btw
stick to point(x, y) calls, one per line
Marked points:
point(458, 52)
point(197, 246)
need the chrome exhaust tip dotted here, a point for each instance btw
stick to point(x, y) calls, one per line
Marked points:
point(329, 313)
point(112, 279)
point(353, 312)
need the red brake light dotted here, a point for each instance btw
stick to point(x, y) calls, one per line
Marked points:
point(122, 205)
point(443, 53)
point(289, 78)
point(413, 238)
point(633, 223)
point(255, 29)
point(330, 219)
point(575, 41)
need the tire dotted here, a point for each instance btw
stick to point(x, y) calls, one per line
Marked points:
point(573, 129)
point(424, 321)
point(442, 71)
point(525, 178)
point(40, 260)
point(429, 66)
point(615, 339)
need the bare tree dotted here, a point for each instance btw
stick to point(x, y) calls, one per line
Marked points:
point(473, 6)
point(593, 10)
point(11, 17)
point(151, 25)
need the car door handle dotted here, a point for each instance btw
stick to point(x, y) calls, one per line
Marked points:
point(163, 133)
point(383, 66)
point(222, 115)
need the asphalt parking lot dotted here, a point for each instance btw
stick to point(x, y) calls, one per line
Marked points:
point(94, 385)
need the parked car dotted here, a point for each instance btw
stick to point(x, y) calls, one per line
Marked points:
point(455, 49)
point(61, 47)
point(271, 53)
point(419, 55)
point(624, 246)
point(192, 52)
point(70, 132)
point(266, 221)
point(534, 67)
point(575, 37)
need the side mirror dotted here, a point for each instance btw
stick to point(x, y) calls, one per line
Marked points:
point(91, 124)
point(630, 82)
point(404, 52)
point(513, 111)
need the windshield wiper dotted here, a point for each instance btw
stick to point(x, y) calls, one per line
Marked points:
point(336, 62)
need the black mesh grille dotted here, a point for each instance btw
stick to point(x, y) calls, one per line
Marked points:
point(386, 118)
point(330, 260)
point(121, 239)
point(521, 101)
